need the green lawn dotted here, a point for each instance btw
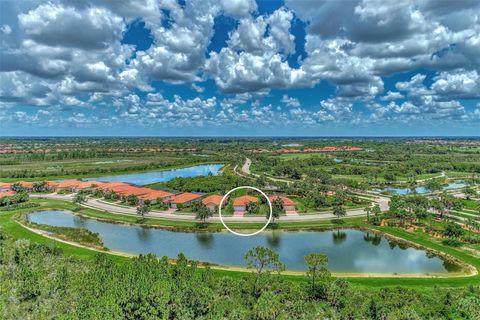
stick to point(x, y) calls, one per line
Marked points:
point(471, 204)
point(13, 229)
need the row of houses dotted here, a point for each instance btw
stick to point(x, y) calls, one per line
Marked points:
point(174, 201)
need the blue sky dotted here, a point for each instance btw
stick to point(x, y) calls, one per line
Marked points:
point(240, 67)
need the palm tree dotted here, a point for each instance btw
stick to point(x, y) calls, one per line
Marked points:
point(368, 211)
point(143, 210)
point(203, 213)
point(277, 209)
point(80, 198)
point(339, 211)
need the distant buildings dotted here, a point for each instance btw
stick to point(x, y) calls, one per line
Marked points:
point(307, 150)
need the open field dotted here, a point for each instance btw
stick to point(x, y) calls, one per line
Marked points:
point(315, 182)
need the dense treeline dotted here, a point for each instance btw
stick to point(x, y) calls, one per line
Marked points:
point(153, 165)
point(38, 282)
point(389, 159)
point(206, 184)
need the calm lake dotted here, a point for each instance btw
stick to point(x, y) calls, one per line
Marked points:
point(404, 191)
point(348, 250)
point(144, 178)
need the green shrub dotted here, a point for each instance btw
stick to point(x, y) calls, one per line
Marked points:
point(452, 242)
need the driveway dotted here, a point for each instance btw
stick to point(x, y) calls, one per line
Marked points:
point(118, 209)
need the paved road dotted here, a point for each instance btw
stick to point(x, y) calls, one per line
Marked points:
point(245, 171)
point(117, 209)
point(246, 166)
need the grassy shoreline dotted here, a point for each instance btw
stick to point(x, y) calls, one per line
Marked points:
point(114, 173)
point(16, 230)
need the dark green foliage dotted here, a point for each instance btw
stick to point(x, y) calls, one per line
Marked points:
point(208, 184)
point(40, 283)
point(453, 230)
point(15, 199)
point(253, 207)
point(143, 210)
point(452, 242)
point(202, 212)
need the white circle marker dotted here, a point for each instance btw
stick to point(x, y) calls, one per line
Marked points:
point(245, 234)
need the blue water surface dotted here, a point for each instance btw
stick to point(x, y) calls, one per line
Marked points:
point(348, 250)
point(144, 178)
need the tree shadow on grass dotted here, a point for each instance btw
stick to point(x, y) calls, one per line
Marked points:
point(201, 225)
point(337, 221)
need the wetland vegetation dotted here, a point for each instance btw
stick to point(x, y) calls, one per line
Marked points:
point(45, 278)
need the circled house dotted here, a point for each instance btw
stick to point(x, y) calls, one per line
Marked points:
point(240, 204)
point(182, 199)
point(212, 202)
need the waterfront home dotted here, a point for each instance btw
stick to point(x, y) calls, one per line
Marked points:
point(71, 185)
point(182, 199)
point(155, 196)
point(5, 186)
point(26, 185)
point(4, 194)
point(132, 191)
point(212, 202)
point(288, 204)
point(240, 204)
point(111, 186)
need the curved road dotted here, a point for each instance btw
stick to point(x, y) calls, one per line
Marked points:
point(117, 209)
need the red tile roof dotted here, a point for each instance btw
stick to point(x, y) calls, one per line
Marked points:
point(6, 194)
point(214, 199)
point(71, 183)
point(133, 191)
point(243, 200)
point(156, 194)
point(114, 186)
point(26, 184)
point(5, 185)
point(184, 198)
point(52, 184)
point(286, 201)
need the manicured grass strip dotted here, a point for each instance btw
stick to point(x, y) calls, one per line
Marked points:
point(423, 240)
point(13, 229)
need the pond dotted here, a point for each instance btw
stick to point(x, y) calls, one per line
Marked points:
point(145, 178)
point(348, 250)
point(404, 191)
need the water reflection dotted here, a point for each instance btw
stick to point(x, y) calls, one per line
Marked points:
point(144, 234)
point(348, 250)
point(205, 239)
point(274, 238)
point(339, 236)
